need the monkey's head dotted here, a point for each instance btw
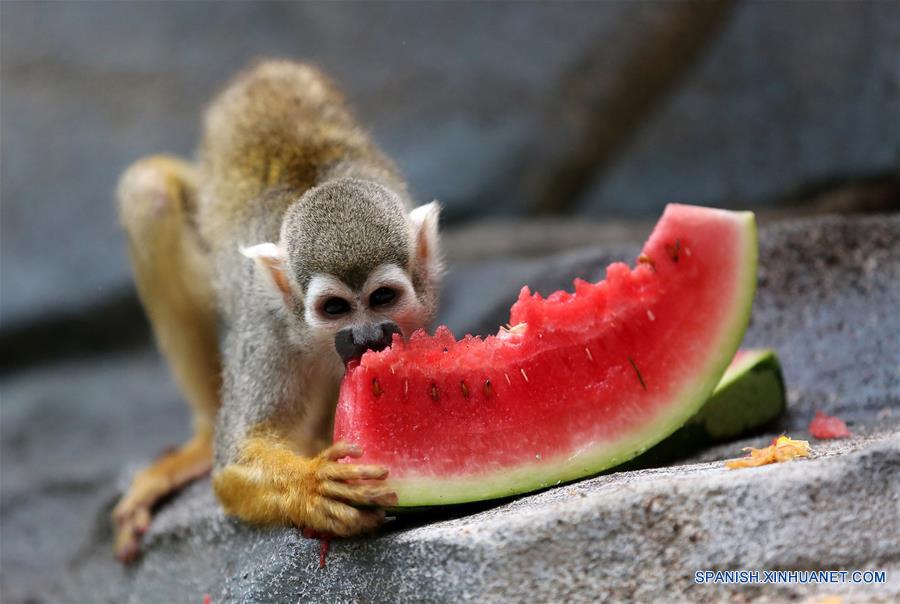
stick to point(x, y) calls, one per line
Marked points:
point(353, 267)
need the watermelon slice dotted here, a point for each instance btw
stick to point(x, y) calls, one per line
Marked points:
point(580, 383)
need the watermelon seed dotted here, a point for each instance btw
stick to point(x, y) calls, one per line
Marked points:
point(638, 372)
point(488, 388)
point(587, 351)
point(392, 370)
point(508, 381)
point(405, 388)
point(524, 375)
point(376, 387)
point(434, 392)
point(465, 389)
point(673, 250)
point(687, 251)
point(650, 315)
point(645, 259)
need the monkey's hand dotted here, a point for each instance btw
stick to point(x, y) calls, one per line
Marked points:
point(271, 484)
point(333, 489)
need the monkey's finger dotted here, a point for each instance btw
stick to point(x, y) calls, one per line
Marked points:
point(141, 520)
point(365, 521)
point(341, 449)
point(359, 494)
point(124, 510)
point(347, 471)
point(346, 521)
point(127, 543)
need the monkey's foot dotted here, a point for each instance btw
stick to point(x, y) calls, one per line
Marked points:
point(335, 489)
point(132, 515)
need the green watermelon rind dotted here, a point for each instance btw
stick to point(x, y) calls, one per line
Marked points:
point(749, 358)
point(420, 491)
point(750, 394)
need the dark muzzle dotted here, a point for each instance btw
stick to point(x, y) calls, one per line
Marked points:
point(352, 342)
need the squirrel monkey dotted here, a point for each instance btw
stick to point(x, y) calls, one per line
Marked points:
point(285, 252)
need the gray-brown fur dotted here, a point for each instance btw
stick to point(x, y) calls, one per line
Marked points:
point(278, 124)
point(318, 240)
point(283, 160)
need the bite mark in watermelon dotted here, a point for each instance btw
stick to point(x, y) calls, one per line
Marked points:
point(583, 381)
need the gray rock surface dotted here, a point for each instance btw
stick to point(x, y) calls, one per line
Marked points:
point(631, 536)
point(471, 100)
point(72, 434)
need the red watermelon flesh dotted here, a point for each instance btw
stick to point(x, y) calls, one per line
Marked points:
point(582, 382)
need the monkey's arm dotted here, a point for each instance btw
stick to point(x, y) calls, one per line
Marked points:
point(263, 474)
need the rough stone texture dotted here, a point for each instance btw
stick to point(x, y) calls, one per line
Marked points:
point(827, 301)
point(627, 536)
point(463, 95)
point(70, 434)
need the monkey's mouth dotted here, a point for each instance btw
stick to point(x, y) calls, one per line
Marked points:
point(353, 342)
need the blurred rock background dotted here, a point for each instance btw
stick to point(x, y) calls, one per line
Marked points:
point(539, 126)
point(499, 110)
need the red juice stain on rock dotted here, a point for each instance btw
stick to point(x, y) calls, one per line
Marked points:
point(324, 543)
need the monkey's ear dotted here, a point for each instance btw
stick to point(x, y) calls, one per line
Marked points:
point(425, 232)
point(270, 260)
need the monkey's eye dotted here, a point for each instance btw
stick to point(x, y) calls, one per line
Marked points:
point(336, 307)
point(382, 296)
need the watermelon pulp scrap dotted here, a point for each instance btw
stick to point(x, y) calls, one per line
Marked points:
point(825, 426)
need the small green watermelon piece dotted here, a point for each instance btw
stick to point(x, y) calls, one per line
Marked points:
point(749, 395)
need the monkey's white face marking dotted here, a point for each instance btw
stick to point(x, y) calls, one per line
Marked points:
point(387, 294)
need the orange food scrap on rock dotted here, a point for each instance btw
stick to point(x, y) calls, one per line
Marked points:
point(783, 449)
point(827, 426)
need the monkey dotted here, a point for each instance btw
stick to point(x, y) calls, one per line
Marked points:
point(287, 249)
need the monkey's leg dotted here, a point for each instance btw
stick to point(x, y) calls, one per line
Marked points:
point(172, 273)
point(271, 484)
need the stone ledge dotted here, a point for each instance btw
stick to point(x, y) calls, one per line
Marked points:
point(629, 535)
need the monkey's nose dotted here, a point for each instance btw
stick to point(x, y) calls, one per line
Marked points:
point(352, 342)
